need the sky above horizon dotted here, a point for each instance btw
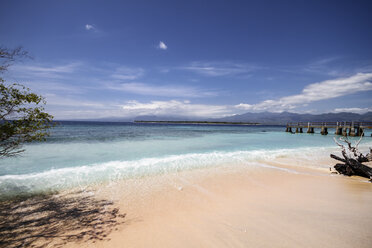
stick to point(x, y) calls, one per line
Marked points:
point(201, 59)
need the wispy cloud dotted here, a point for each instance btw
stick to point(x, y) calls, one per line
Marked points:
point(174, 108)
point(326, 66)
point(92, 90)
point(66, 68)
point(315, 92)
point(162, 46)
point(127, 73)
point(46, 87)
point(55, 100)
point(162, 90)
point(72, 108)
point(45, 71)
point(77, 71)
point(353, 110)
point(216, 69)
point(67, 107)
point(334, 66)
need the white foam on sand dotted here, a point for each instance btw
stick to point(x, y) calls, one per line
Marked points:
point(56, 179)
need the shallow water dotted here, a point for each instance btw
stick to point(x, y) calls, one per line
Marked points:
point(83, 153)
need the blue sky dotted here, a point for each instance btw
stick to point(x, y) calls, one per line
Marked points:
point(95, 59)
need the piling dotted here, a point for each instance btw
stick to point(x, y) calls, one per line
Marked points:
point(338, 130)
point(324, 130)
point(361, 132)
point(344, 131)
point(352, 132)
point(344, 128)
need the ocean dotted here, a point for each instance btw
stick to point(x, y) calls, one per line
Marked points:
point(84, 153)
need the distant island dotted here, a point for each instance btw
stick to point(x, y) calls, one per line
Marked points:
point(249, 118)
point(201, 122)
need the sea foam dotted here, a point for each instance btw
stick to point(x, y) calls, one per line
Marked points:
point(80, 176)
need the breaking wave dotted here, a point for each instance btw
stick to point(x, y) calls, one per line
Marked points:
point(56, 179)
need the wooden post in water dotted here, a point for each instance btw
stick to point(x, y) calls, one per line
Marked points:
point(324, 130)
point(344, 129)
point(352, 130)
point(338, 129)
point(309, 129)
point(298, 129)
point(361, 131)
point(349, 130)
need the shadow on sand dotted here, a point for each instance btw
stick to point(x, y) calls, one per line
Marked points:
point(56, 219)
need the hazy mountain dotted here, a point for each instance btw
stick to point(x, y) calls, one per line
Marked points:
point(263, 118)
point(284, 117)
point(140, 118)
point(164, 118)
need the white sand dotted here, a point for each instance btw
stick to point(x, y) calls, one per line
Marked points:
point(240, 207)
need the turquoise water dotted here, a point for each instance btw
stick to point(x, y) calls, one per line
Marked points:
point(82, 153)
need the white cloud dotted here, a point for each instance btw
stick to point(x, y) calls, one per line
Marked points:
point(66, 85)
point(55, 100)
point(65, 107)
point(70, 67)
point(128, 73)
point(174, 108)
point(245, 106)
point(315, 92)
point(89, 27)
point(162, 46)
point(216, 69)
point(162, 90)
point(45, 87)
point(353, 110)
point(45, 71)
point(322, 66)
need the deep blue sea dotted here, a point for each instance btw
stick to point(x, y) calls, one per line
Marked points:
point(83, 153)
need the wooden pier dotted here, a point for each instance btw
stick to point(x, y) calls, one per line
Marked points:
point(344, 128)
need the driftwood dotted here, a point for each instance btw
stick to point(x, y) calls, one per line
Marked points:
point(352, 160)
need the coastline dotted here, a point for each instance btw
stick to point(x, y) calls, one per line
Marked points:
point(239, 208)
point(277, 198)
point(204, 123)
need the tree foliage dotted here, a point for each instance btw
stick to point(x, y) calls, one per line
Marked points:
point(22, 116)
point(8, 56)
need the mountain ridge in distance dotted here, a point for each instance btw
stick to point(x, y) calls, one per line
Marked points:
point(268, 118)
point(285, 117)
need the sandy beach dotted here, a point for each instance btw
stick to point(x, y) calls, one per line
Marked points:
point(225, 188)
point(225, 206)
point(241, 207)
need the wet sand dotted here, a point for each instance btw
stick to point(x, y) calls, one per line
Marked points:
point(241, 207)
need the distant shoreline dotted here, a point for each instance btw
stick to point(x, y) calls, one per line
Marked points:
point(201, 122)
